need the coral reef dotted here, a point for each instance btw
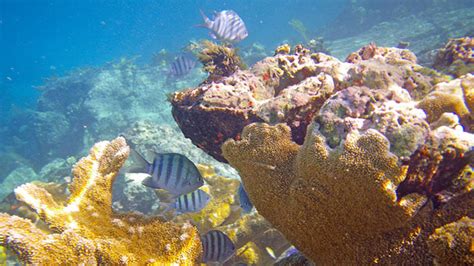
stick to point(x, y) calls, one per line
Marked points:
point(340, 204)
point(90, 104)
point(291, 87)
point(86, 230)
point(433, 28)
point(456, 57)
point(219, 60)
point(454, 242)
point(455, 96)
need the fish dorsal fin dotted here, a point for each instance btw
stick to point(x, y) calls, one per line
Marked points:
point(207, 21)
point(140, 164)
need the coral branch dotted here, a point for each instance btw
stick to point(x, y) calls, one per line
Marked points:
point(87, 230)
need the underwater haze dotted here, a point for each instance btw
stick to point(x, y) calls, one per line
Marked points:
point(41, 38)
point(246, 126)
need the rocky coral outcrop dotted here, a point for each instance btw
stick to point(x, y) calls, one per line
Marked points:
point(292, 87)
point(456, 57)
point(383, 163)
point(86, 230)
point(455, 96)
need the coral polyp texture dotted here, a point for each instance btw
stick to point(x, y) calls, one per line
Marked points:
point(85, 230)
point(361, 161)
point(339, 205)
point(290, 88)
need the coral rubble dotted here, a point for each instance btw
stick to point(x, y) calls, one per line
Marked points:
point(86, 230)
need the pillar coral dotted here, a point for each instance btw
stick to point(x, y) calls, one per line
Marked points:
point(86, 230)
point(339, 205)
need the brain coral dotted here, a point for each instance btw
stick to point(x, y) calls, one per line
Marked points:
point(85, 230)
point(338, 205)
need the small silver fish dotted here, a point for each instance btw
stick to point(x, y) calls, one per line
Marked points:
point(217, 247)
point(227, 26)
point(192, 202)
point(244, 199)
point(182, 65)
point(173, 172)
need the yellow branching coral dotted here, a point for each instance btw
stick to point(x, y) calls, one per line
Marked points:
point(86, 230)
point(335, 205)
point(222, 208)
point(252, 235)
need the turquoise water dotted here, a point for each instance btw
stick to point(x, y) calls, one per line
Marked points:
point(43, 38)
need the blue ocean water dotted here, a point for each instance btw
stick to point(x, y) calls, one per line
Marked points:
point(44, 38)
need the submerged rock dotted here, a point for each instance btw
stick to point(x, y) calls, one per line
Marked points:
point(291, 88)
point(19, 176)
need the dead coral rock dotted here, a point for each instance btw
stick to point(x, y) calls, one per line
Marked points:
point(340, 205)
point(456, 57)
point(454, 243)
point(86, 230)
point(390, 111)
point(434, 174)
point(280, 89)
point(451, 97)
point(379, 67)
point(391, 54)
point(291, 88)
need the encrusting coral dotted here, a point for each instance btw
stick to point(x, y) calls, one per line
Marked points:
point(86, 230)
point(338, 205)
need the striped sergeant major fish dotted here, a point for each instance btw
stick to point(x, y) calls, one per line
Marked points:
point(216, 247)
point(227, 26)
point(192, 202)
point(182, 65)
point(244, 199)
point(172, 172)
